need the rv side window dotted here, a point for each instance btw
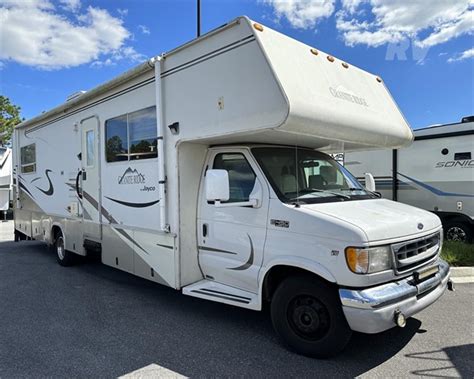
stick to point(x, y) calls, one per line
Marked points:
point(462, 156)
point(142, 134)
point(116, 139)
point(28, 158)
point(132, 136)
point(241, 175)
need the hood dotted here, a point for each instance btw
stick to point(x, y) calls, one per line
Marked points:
point(380, 219)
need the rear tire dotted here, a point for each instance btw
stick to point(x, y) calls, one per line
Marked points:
point(64, 257)
point(307, 315)
point(458, 231)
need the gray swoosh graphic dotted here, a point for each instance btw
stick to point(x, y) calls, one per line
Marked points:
point(249, 262)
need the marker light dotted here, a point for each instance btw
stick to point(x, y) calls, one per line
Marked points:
point(345, 65)
point(258, 27)
point(330, 58)
point(314, 51)
point(379, 79)
point(369, 260)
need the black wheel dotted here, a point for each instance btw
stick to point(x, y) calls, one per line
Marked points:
point(458, 231)
point(307, 315)
point(64, 257)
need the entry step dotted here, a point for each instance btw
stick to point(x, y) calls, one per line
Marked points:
point(207, 289)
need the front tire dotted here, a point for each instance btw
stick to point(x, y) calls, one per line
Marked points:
point(64, 257)
point(307, 315)
point(458, 231)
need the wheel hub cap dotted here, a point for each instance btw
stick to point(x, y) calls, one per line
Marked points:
point(308, 317)
point(456, 234)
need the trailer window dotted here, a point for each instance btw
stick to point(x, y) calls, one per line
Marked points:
point(90, 159)
point(131, 136)
point(241, 175)
point(117, 141)
point(28, 158)
point(142, 134)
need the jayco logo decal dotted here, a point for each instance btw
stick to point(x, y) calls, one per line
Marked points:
point(131, 177)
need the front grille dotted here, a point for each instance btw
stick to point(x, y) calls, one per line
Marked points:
point(412, 254)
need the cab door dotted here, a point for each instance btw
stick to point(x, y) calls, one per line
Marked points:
point(232, 238)
point(90, 178)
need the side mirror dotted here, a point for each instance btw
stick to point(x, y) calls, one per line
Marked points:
point(217, 185)
point(369, 182)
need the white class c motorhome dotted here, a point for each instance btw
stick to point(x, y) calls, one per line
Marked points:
point(435, 173)
point(202, 169)
point(5, 178)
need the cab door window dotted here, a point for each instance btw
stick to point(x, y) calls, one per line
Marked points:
point(241, 176)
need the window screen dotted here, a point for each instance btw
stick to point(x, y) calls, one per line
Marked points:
point(132, 136)
point(241, 175)
point(28, 158)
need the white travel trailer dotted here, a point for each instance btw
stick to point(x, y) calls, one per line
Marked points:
point(5, 179)
point(435, 173)
point(200, 170)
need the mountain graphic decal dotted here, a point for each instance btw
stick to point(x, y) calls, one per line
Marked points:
point(131, 176)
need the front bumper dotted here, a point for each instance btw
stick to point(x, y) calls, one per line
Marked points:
point(372, 310)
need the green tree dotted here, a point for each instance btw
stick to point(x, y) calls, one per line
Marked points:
point(9, 117)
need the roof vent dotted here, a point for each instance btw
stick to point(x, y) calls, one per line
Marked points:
point(467, 119)
point(75, 95)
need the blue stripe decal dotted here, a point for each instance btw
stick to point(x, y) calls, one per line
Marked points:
point(436, 191)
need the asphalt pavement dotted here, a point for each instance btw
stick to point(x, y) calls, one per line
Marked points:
point(90, 320)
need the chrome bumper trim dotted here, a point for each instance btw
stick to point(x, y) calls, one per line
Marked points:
point(394, 292)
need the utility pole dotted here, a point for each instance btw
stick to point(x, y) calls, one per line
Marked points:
point(198, 18)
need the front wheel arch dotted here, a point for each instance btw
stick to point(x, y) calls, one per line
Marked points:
point(279, 272)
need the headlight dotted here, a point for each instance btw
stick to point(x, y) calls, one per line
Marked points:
point(367, 260)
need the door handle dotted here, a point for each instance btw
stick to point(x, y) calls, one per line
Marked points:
point(79, 194)
point(204, 230)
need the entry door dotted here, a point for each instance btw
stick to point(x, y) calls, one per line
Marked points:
point(90, 178)
point(232, 239)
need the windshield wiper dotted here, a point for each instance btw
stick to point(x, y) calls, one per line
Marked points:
point(352, 189)
point(309, 190)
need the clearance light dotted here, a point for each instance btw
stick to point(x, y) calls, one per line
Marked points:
point(258, 27)
point(314, 51)
point(345, 65)
point(367, 260)
point(330, 58)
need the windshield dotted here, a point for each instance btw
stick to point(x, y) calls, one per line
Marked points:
point(308, 176)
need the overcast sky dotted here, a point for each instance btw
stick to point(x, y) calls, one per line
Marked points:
point(422, 48)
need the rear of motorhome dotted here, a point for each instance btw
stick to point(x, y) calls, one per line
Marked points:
point(435, 173)
point(206, 170)
point(5, 179)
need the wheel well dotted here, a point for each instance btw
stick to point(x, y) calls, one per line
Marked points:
point(55, 232)
point(448, 218)
point(279, 273)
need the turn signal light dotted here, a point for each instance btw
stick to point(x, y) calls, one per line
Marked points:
point(357, 260)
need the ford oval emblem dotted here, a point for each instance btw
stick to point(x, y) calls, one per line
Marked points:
point(420, 226)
